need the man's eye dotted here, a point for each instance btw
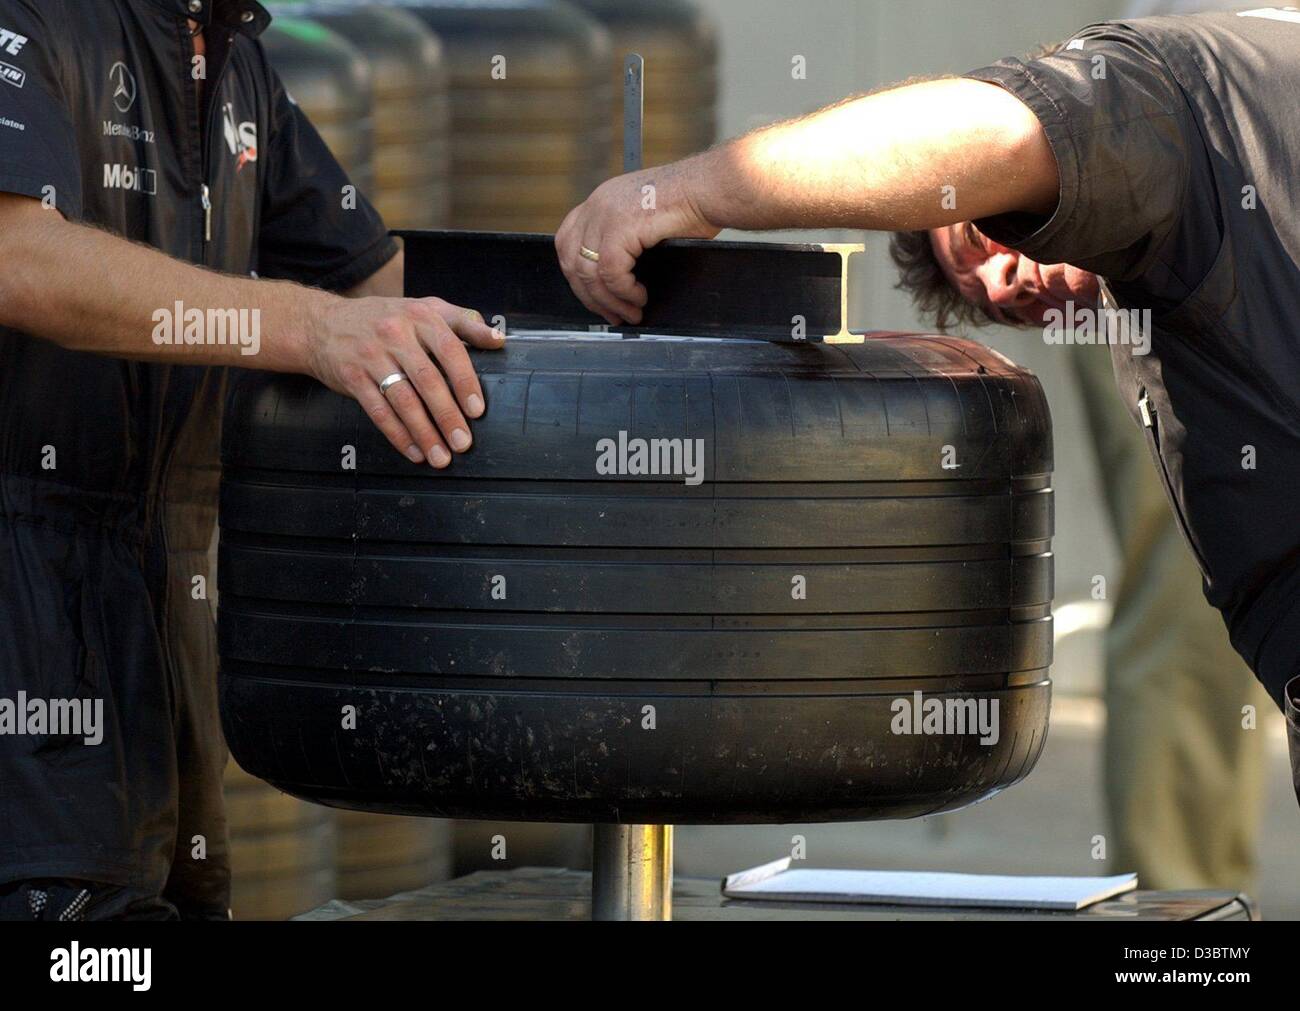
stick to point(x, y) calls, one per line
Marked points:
point(973, 237)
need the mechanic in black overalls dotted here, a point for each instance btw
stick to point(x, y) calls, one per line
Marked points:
point(1152, 163)
point(159, 121)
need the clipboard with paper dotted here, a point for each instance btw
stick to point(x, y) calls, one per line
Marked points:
point(777, 881)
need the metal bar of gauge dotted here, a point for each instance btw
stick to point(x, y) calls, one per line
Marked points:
point(632, 872)
point(698, 288)
point(633, 112)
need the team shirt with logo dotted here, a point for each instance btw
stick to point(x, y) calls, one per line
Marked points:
point(108, 468)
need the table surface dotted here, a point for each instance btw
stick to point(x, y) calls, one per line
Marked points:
point(547, 893)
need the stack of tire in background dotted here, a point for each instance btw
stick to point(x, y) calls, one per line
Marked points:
point(282, 850)
point(332, 83)
point(479, 114)
point(680, 46)
point(529, 104)
point(411, 105)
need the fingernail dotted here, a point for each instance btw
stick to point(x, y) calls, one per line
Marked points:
point(413, 454)
point(439, 457)
point(460, 440)
point(497, 335)
point(475, 405)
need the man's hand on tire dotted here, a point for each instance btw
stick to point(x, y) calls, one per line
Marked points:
point(356, 344)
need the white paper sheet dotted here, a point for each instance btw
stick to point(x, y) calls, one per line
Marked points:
point(924, 888)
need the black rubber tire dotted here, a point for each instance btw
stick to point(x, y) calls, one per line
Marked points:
point(372, 588)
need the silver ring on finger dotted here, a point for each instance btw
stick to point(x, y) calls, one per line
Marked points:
point(388, 382)
point(589, 254)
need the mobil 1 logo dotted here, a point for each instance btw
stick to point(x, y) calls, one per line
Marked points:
point(129, 177)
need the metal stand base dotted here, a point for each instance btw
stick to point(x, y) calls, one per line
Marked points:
point(632, 872)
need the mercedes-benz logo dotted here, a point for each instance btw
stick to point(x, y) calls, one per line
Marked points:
point(123, 87)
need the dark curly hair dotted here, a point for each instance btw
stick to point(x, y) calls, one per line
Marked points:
point(920, 275)
point(919, 272)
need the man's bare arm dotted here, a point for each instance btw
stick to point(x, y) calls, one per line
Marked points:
point(877, 162)
point(89, 290)
point(881, 162)
point(389, 281)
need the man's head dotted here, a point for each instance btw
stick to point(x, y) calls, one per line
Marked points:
point(960, 275)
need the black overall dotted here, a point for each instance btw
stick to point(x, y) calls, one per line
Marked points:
point(108, 468)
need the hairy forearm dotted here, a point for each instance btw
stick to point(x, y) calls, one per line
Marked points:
point(91, 291)
point(389, 281)
point(882, 162)
point(88, 290)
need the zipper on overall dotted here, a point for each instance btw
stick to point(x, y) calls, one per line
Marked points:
point(211, 94)
point(207, 127)
point(1151, 423)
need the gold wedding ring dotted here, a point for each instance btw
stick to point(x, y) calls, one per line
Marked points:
point(589, 254)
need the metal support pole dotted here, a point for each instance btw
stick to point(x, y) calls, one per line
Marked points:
point(632, 865)
point(632, 872)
